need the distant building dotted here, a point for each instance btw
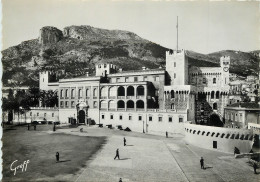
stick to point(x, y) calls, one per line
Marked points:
point(239, 115)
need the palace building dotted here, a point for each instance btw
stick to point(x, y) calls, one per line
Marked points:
point(148, 100)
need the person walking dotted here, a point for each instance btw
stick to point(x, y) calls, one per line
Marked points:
point(57, 156)
point(166, 134)
point(28, 126)
point(255, 167)
point(34, 127)
point(202, 163)
point(120, 180)
point(124, 141)
point(117, 154)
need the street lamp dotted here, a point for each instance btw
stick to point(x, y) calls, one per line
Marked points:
point(143, 126)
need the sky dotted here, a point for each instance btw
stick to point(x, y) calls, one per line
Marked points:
point(204, 26)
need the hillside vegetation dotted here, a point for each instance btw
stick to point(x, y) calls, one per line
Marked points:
point(75, 50)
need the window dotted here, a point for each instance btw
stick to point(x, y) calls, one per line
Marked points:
point(72, 103)
point(61, 103)
point(30, 113)
point(87, 92)
point(215, 144)
point(214, 80)
point(37, 114)
point(150, 118)
point(80, 93)
point(160, 118)
point(180, 120)
point(204, 80)
point(130, 117)
point(52, 114)
point(95, 92)
point(103, 116)
point(139, 118)
point(72, 93)
point(135, 79)
point(174, 64)
point(105, 65)
point(99, 66)
point(67, 104)
point(67, 93)
point(95, 104)
point(120, 117)
point(111, 116)
point(174, 75)
point(170, 119)
point(44, 114)
point(61, 93)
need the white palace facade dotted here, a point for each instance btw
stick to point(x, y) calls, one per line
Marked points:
point(145, 100)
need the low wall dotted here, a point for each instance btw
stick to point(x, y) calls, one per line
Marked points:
point(38, 114)
point(140, 121)
point(217, 138)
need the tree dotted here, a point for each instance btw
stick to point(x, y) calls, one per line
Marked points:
point(49, 98)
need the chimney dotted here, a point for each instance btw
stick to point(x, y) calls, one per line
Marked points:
point(143, 68)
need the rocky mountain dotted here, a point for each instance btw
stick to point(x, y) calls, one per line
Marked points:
point(75, 50)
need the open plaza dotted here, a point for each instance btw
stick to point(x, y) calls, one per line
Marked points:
point(145, 157)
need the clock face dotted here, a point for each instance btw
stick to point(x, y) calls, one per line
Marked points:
point(225, 69)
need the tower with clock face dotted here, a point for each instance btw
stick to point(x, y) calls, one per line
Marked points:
point(225, 64)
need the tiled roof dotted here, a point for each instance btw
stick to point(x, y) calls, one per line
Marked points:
point(245, 105)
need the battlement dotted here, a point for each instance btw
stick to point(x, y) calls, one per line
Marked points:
point(225, 58)
point(175, 52)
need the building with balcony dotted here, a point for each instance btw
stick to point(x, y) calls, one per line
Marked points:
point(148, 100)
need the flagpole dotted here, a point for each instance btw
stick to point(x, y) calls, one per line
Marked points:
point(177, 33)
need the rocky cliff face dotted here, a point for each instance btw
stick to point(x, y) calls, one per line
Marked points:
point(75, 51)
point(50, 35)
point(88, 32)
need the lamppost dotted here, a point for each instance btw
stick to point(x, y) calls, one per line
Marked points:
point(143, 126)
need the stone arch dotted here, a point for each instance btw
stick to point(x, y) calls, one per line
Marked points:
point(103, 104)
point(215, 120)
point(111, 104)
point(215, 106)
point(172, 94)
point(130, 91)
point(120, 104)
point(212, 95)
point(140, 90)
point(130, 104)
point(112, 91)
point(217, 95)
point(140, 104)
point(121, 91)
point(103, 92)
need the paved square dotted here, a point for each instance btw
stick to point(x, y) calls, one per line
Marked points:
point(155, 158)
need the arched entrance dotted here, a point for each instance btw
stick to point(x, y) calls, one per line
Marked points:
point(81, 117)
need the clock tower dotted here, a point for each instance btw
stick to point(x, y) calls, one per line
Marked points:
point(225, 64)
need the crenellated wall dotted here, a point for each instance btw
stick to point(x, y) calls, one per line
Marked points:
point(225, 139)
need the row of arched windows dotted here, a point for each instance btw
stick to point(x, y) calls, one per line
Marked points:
point(122, 104)
point(221, 135)
point(121, 91)
point(80, 93)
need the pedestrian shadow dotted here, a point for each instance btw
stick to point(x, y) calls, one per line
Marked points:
point(129, 145)
point(207, 168)
point(64, 161)
point(124, 159)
